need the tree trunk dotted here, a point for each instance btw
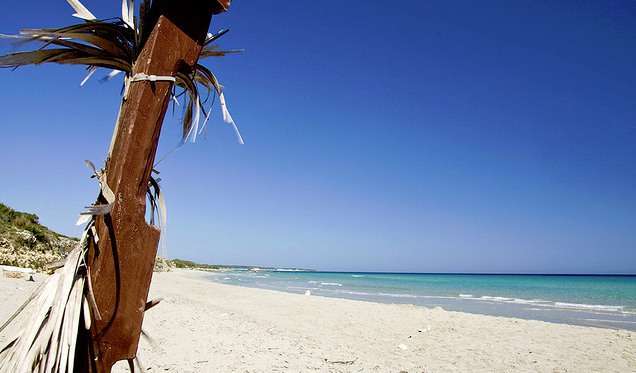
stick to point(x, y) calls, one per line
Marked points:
point(122, 261)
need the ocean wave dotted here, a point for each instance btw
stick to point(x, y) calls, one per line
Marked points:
point(436, 297)
point(392, 295)
point(331, 283)
point(351, 292)
point(302, 288)
point(357, 275)
point(530, 301)
point(490, 298)
point(496, 299)
point(612, 321)
point(397, 295)
point(513, 300)
point(598, 307)
point(545, 303)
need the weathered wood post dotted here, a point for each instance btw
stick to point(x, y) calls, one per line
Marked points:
point(121, 263)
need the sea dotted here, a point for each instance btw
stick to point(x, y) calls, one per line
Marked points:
point(605, 301)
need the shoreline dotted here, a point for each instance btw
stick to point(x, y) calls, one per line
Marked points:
point(487, 301)
point(495, 301)
point(205, 326)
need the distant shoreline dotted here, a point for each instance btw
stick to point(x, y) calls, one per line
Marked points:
point(604, 301)
point(195, 265)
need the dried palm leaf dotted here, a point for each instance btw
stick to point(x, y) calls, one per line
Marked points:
point(39, 338)
point(114, 44)
point(227, 117)
point(80, 10)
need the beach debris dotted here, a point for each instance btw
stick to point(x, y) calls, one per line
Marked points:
point(10, 274)
point(55, 265)
point(341, 362)
point(153, 343)
point(402, 347)
point(16, 272)
point(152, 303)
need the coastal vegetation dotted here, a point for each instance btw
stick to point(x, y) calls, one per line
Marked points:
point(24, 242)
point(181, 263)
point(189, 264)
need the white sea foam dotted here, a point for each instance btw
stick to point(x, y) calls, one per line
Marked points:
point(435, 297)
point(509, 300)
point(612, 321)
point(357, 275)
point(302, 288)
point(353, 292)
point(529, 301)
point(397, 295)
point(495, 299)
point(545, 303)
point(598, 307)
point(331, 284)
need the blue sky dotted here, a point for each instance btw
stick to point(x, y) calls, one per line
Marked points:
point(450, 136)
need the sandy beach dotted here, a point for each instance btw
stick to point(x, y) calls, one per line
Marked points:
point(202, 326)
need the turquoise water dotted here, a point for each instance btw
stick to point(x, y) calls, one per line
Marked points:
point(605, 301)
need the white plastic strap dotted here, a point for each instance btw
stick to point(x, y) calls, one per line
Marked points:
point(139, 77)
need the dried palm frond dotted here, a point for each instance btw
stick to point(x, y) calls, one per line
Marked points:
point(49, 333)
point(53, 314)
point(158, 212)
point(115, 44)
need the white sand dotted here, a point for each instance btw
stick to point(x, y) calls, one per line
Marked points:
point(206, 327)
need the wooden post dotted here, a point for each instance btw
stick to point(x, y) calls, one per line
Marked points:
point(121, 263)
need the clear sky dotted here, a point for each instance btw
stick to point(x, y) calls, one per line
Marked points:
point(425, 136)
